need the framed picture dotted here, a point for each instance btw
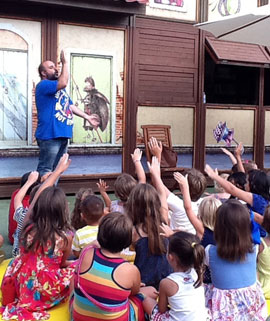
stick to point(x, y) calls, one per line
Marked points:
point(175, 5)
point(91, 90)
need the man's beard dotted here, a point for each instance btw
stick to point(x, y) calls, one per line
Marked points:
point(53, 77)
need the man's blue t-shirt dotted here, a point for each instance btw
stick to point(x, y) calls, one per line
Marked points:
point(55, 118)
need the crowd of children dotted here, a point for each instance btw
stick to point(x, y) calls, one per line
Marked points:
point(198, 257)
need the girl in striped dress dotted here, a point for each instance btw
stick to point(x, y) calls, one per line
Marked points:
point(107, 287)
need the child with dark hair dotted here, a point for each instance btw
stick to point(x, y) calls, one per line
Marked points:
point(41, 270)
point(182, 290)
point(239, 179)
point(92, 210)
point(76, 219)
point(12, 224)
point(235, 293)
point(105, 286)
point(20, 210)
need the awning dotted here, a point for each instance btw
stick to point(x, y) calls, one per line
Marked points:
point(228, 52)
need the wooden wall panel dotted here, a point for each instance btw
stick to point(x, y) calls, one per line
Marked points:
point(166, 62)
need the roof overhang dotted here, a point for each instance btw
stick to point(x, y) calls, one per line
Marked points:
point(114, 6)
point(236, 53)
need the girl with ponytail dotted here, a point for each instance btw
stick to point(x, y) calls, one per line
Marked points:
point(182, 290)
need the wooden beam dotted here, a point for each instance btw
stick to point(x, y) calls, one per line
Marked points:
point(120, 6)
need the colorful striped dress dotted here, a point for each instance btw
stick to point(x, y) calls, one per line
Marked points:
point(98, 297)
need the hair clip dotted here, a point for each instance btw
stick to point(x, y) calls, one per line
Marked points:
point(193, 244)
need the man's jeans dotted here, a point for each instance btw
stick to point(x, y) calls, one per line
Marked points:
point(50, 152)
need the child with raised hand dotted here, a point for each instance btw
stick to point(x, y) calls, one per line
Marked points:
point(182, 290)
point(105, 286)
point(42, 276)
point(256, 195)
point(235, 293)
point(146, 211)
point(197, 185)
point(92, 210)
point(76, 219)
point(123, 185)
point(20, 210)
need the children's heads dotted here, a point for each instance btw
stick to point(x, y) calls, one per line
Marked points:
point(123, 186)
point(239, 179)
point(92, 209)
point(197, 184)
point(207, 211)
point(233, 231)
point(259, 183)
point(115, 232)
point(24, 179)
point(76, 220)
point(143, 207)
point(218, 187)
point(49, 217)
point(188, 252)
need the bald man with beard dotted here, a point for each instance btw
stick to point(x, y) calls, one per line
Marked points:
point(55, 114)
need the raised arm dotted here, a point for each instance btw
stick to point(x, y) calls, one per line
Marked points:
point(229, 187)
point(155, 148)
point(32, 178)
point(63, 78)
point(183, 184)
point(136, 158)
point(237, 153)
point(102, 186)
point(62, 166)
point(231, 156)
point(154, 169)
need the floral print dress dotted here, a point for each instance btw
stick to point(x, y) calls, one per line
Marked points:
point(41, 283)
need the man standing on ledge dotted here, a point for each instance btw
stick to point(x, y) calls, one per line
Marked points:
point(55, 114)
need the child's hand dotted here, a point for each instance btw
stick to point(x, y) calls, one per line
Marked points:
point(102, 186)
point(154, 167)
point(45, 176)
point(181, 179)
point(209, 171)
point(166, 230)
point(63, 163)
point(137, 155)
point(155, 147)
point(33, 177)
point(238, 150)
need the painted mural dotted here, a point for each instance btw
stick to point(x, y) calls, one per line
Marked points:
point(178, 5)
point(13, 95)
point(223, 8)
point(91, 91)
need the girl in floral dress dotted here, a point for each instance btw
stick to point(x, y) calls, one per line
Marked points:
point(235, 293)
point(42, 273)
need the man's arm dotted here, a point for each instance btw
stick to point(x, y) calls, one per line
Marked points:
point(92, 119)
point(62, 80)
